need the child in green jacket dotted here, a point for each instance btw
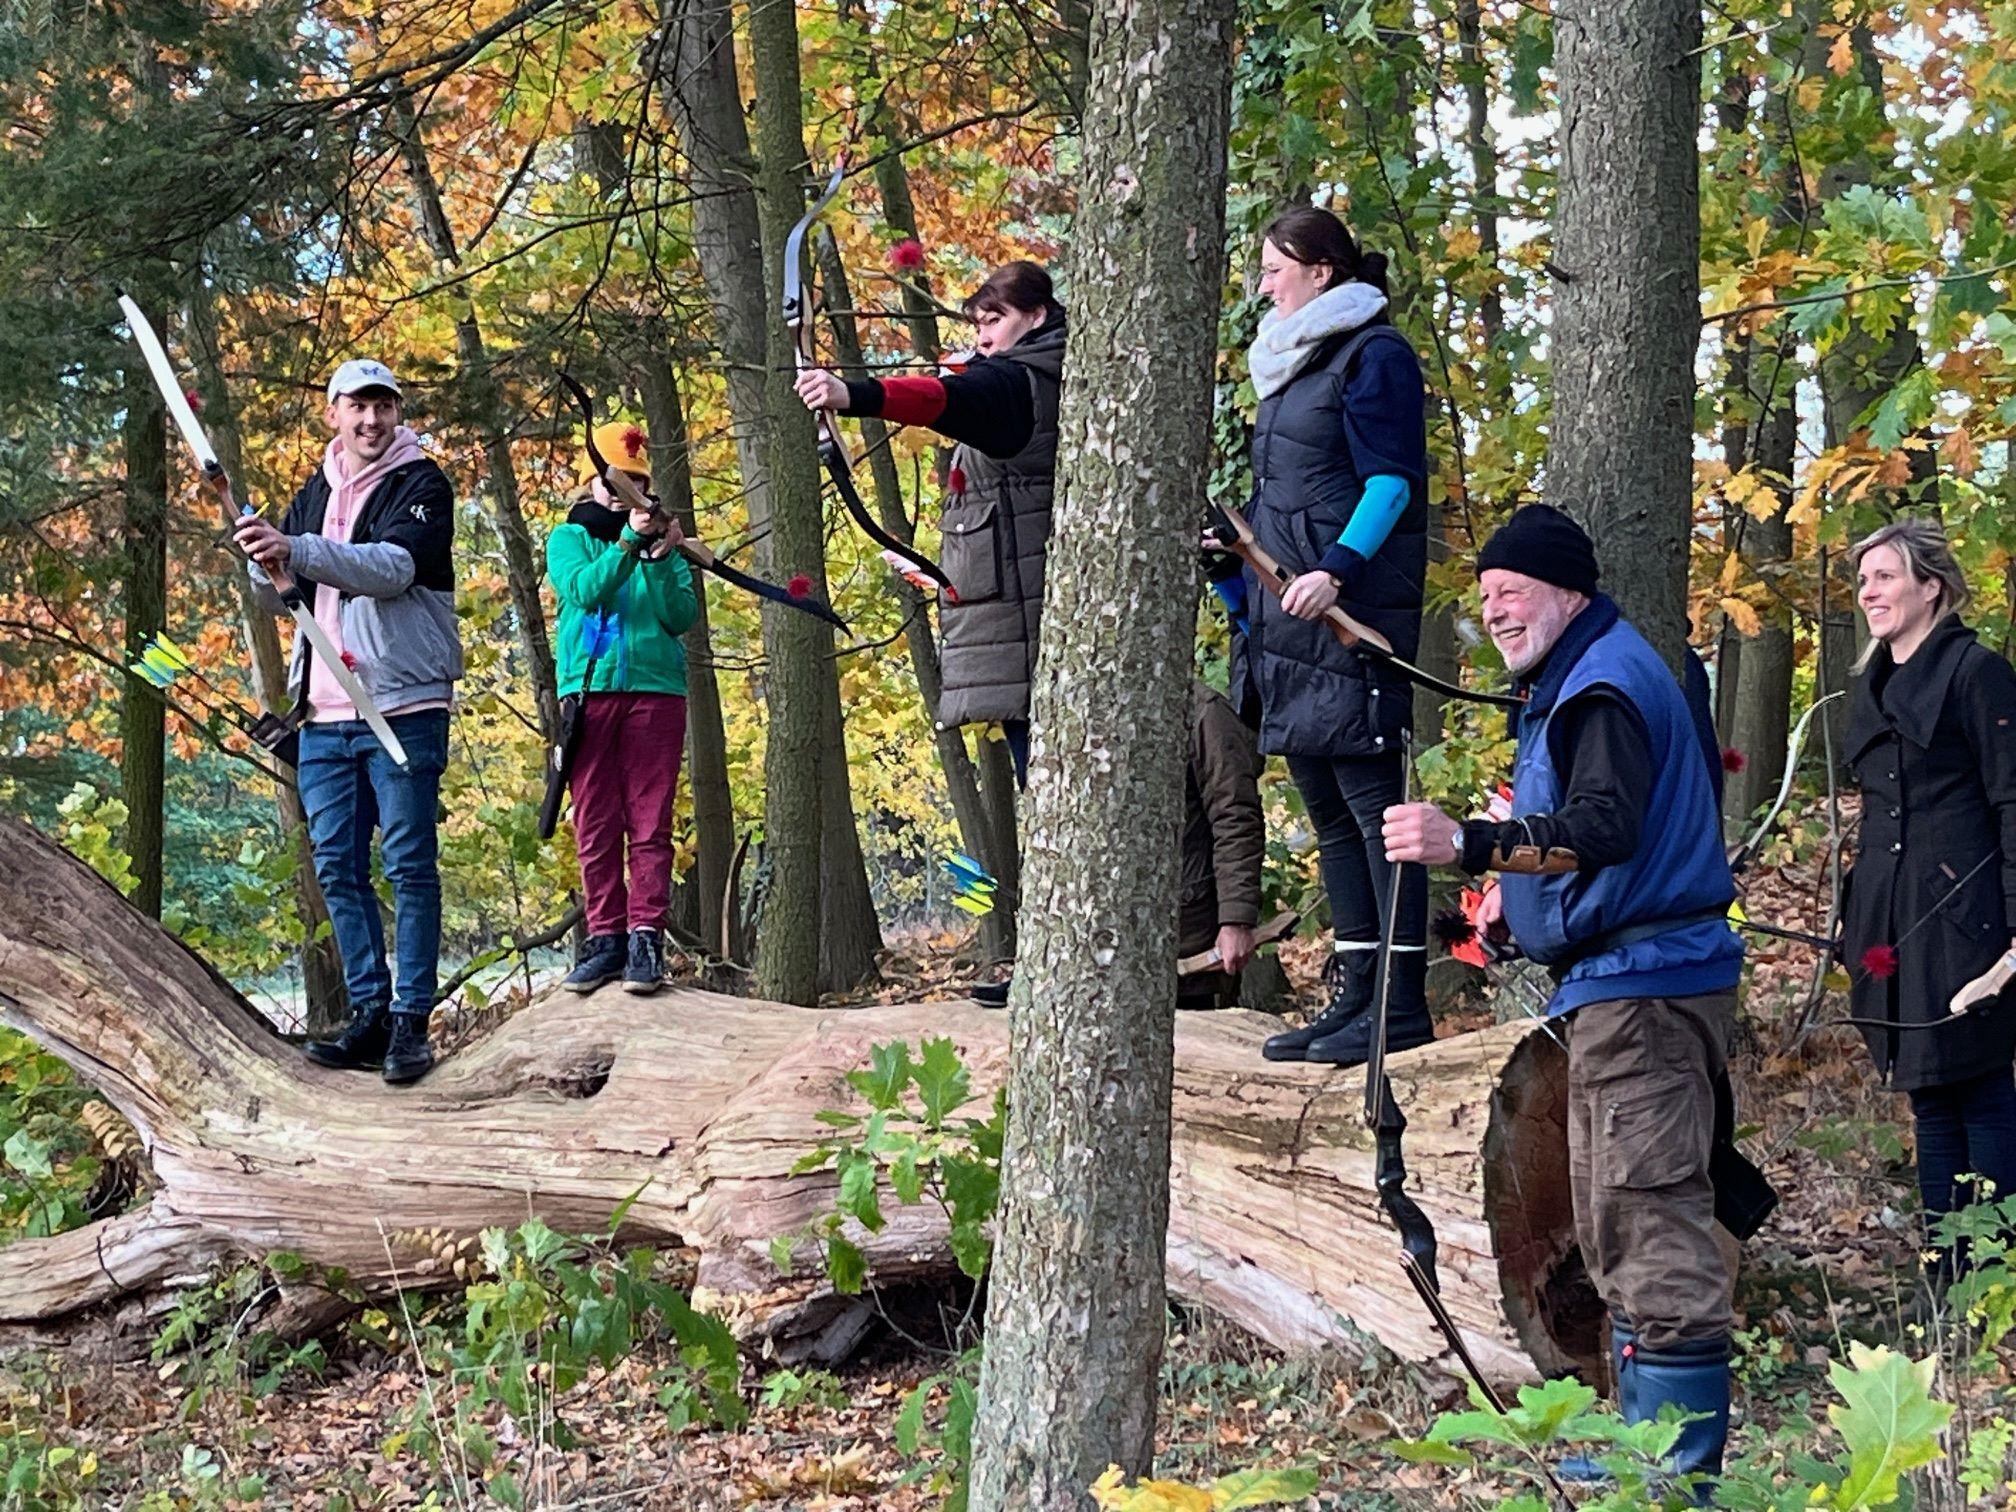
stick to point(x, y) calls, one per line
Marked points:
point(625, 597)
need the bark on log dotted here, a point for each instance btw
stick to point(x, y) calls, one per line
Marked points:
point(705, 1102)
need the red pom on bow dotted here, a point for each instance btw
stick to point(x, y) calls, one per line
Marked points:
point(956, 480)
point(1456, 929)
point(633, 442)
point(195, 400)
point(1733, 760)
point(1880, 961)
point(349, 661)
point(799, 586)
point(907, 256)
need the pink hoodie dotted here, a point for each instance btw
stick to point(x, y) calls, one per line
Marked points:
point(347, 494)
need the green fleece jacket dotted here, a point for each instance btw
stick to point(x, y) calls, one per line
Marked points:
point(638, 608)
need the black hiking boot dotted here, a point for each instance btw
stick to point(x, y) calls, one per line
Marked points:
point(409, 1057)
point(645, 971)
point(990, 994)
point(1408, 1025)
point(1351, 974)
point(360, 1046)
point(601, 960)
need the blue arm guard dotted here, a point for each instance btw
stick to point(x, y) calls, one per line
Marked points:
point(1379, 509)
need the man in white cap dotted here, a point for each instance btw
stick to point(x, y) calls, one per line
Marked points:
point(369, 538)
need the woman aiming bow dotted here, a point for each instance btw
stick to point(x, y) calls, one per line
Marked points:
point(1002, 411)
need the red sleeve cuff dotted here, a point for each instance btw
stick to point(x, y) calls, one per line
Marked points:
point(912, 401)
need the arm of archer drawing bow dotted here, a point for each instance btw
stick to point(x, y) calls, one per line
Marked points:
point(988, 407)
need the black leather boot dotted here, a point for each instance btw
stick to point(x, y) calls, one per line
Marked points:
point(1408, 1025)
point(361, 1045)
point(409, 1057)
point(1351, 975)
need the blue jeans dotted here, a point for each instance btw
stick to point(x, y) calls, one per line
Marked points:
point(349, 786)
point(1966, 1128)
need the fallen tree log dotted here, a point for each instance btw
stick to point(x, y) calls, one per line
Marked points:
point(699, 1104)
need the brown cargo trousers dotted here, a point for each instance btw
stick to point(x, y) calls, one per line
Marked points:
point(1641, 1113)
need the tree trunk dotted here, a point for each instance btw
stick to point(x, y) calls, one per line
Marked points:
point(850, 935)
point(325, 1002)
point(481, 402)
point(1075, 1310)
point(1483, 145)
point(962, 786)
point(698, 1107)
point(1761, 709)
point(1626, 318)
point(706, 732)
point(740, 255)
point(797, 742)
point(141, 711)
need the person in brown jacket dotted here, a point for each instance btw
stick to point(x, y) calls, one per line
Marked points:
point(1224, 843)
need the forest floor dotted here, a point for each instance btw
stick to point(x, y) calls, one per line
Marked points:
point(344, 1427)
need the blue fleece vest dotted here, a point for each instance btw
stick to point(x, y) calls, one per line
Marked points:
point(1652, 926)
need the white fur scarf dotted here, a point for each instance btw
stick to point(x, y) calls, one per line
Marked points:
point(1287, 342)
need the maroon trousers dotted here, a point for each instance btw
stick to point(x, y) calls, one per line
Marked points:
point(626, 773)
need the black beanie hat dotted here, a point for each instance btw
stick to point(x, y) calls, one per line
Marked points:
point(1542, 542)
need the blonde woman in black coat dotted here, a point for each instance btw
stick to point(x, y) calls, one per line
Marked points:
point(1929, 925)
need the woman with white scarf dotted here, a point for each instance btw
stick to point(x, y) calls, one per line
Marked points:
point(1340, 465)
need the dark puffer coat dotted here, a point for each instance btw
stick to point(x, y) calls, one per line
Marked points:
point(1933, 745)
point(995, 541)
point(1354, 412)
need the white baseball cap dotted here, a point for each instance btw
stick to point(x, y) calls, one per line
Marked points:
point(361, 373)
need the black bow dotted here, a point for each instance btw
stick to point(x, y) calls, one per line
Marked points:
point(1387, 1123)
point(832, 450)
point(625, 488)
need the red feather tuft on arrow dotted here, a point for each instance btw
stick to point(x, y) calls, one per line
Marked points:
point(799, 586)
point(1880, 961)
point(907, 256)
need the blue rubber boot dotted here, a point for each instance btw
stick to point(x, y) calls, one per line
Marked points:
point(1580, 1469)
point(1695, 1378)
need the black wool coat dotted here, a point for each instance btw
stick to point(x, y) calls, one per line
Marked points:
point(1932, 744)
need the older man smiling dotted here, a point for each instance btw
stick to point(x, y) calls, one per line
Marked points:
point(1626, 900)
